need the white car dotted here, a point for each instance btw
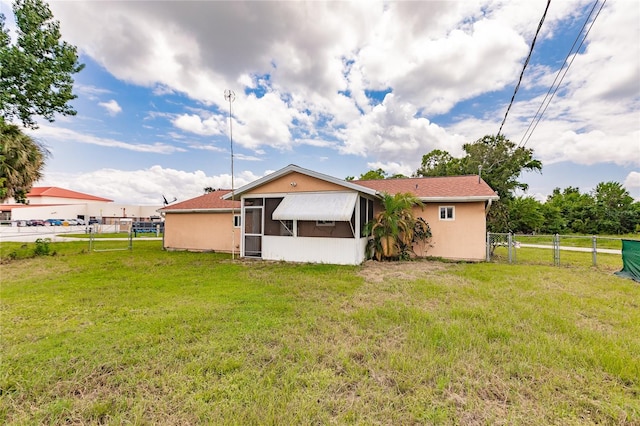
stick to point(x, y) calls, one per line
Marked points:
point(72, 222)
point(80, 221)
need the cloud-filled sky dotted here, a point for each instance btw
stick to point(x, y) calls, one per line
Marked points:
point(339, 88)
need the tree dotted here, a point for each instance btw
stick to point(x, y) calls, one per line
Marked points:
point(35, 80)
point(36, 71)
point(439, 163)
point(21, 162)
point(614, 208)
point(525, 215)
point(377, 174)
point(395, 230)
point(498, 160)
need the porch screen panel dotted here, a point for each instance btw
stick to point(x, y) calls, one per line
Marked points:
point(252, 246)
point(253, 220)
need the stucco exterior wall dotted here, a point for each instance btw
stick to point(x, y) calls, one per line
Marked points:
point(462, 238)
point(200, 232)
point(303, 183)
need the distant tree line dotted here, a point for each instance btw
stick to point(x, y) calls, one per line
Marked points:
point(608, 209)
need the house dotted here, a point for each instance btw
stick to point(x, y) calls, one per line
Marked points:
point(204, 223)
point(296, 214)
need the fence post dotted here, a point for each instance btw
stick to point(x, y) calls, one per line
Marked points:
point(488, 246)
point(510, 245)
point(556, 250)
point(594, 244)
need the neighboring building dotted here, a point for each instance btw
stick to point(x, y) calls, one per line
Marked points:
point(296, 214)
point(50, 202)
point(204, 223)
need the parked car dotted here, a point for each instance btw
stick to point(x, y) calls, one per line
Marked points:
point(93, 221)
point(80, 221)
point(70, 222)
point(35, 222)
point(55, 222)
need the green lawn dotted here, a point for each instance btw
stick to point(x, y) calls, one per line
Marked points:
point(154, 337)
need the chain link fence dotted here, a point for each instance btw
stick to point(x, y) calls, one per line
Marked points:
point(550, 249)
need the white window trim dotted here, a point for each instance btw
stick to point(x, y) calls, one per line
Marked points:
point(453, 213)
point(237, 223)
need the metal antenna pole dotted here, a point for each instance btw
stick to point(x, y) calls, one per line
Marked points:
point(230, 96)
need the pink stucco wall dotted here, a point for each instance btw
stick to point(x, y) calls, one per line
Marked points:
point(200, 232)
point(462, 238)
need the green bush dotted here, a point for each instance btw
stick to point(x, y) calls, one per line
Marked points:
point(42, 247)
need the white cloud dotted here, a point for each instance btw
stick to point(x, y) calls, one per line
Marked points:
point(632, 182)
point(112, 107)
point(48, 132)
point(431, 55)
point(145, 186)
point(213, 125)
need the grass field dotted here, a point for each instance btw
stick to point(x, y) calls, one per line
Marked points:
point(154, 337)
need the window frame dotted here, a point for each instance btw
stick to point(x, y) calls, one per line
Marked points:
point(446, 210)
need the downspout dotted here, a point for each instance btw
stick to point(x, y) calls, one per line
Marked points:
point(487, 207)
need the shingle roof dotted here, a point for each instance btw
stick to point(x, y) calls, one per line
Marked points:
point(54, 191)
point(461, 187)
point(210, 201)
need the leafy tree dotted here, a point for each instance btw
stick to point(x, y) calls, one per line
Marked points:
point(500, 163)
point(209, 189)
point(35, 80)
point(439, 163)
point(614, 208)
point(395, 230)
point(377, 174)
point(576, 212)
point(36, 71)
point(21, 162)
point(499, 160)
point(525, 215)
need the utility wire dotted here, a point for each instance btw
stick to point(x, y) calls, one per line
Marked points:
point(552, 91)
point(526, 62)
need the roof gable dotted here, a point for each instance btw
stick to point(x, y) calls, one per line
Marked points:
point(462, 188)
point(292, 168)
point(211, 201)
point(56, 192)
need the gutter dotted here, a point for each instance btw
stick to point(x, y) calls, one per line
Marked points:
point(198, 211)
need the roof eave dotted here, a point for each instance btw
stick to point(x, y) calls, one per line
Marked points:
point(459, 199)
point(224, 210)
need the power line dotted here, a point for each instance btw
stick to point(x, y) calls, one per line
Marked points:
point(552, 91)
point(526, 62)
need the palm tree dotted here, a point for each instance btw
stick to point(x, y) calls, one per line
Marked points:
point(21, 162)
point(392, 230)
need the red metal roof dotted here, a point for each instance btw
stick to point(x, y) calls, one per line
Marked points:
point(212, 200)
point(433, 187)
point(54, 191)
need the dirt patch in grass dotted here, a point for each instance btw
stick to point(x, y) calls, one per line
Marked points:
point(377, 272)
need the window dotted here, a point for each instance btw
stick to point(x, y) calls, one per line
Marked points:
point(237, 220)
point(325, 223)
point(447, 213)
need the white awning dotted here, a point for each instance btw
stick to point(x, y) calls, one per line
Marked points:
point(335, 206)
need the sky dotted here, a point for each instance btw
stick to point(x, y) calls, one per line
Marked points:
point(339, 88)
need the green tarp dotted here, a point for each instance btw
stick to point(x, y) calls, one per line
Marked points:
point(630, 260)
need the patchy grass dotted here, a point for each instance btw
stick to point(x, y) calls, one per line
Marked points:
point(179, 338)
